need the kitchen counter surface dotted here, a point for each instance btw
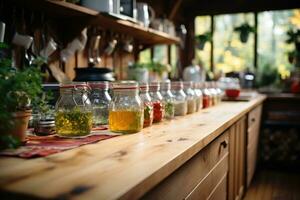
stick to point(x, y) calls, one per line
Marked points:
point(123, 167)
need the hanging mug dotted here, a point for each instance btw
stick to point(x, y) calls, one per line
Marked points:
point(145, 13)
point(100, 5)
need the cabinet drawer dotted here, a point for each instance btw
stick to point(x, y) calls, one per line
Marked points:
point(206, 187)
point(220, 191)
point(180, 184)
point(254, 117)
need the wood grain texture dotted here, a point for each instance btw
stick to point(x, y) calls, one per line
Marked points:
point(124, 167)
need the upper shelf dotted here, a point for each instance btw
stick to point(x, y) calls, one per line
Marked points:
point(147, 36)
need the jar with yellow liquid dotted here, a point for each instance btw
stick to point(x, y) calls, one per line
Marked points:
point(73, 115)
point(126, 110)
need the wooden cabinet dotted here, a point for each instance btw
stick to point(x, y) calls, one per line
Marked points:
point(199, 177)
point(237, 156)
point(252, 141)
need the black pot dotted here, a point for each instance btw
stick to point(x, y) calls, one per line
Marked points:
point(94, 74)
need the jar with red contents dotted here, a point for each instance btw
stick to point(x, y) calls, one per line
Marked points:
point(206, 95)
point(148, 105)
point(157, 101)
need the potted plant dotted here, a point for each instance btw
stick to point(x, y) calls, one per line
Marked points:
point(202, 39)
point(158, 71)
point(294, 38)
point(138, 72)
point(18, 88)
point(244, 30)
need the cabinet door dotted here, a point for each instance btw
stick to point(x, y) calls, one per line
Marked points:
point(237, 149)
point(252, 141)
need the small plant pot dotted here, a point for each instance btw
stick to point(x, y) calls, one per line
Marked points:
point(200, 45)
point(21, 119)
point(244, 37)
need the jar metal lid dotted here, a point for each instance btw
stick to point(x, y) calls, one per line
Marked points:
point(99, 84)
point(165, 85)
point(144, 86)
point(120, 85)
point(74, 85)
point(154, 86)
point(177, 85)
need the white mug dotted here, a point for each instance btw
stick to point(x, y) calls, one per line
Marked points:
point(22, 40)
point(145, 13)
point(100, 5)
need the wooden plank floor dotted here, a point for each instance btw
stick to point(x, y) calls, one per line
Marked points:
point(274, 185)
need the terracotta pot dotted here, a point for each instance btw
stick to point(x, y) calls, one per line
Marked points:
point(21, 119)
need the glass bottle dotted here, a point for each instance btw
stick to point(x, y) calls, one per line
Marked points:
point(219, 91)
point(213, 92)
point(199, 97)
point(157, 100)
point(191, 96)
point(206, 95)
point(180, 103)
point(73, 108)
point(126, 110)
point(168, 97)
point(100, 99)
point(148, 105)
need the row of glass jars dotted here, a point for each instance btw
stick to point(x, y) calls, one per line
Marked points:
point(133, 106)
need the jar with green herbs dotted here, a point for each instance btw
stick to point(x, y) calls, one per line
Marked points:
point(191, 96)
point(169, 99)
point(126, 110)
point(73, 115)
point(148, 105)
point(180, 103)
point(100, 99)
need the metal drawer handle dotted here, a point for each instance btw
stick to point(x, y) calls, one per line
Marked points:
point(224, 144)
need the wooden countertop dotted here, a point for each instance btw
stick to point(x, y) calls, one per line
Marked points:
point(125, 166)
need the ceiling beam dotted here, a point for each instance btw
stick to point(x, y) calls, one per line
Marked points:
point(174, 9)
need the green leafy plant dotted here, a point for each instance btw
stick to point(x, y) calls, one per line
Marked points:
point(18, 89)
point(202, 39)
point(245, 29)
point(294, 38)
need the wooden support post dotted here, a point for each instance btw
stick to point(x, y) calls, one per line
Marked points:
point(255, 39)
point(174, 9)
point(212, 28)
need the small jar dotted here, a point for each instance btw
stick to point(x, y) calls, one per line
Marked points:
point(73, 110)
point(206, 95)
point(126, 110)
point(219, 92)
point(199, 97)
point(180, 103)
point(191, 96)
point(100, 99)
point(213, 93)
point(168, 97)
point(157, 100)
point(148, 105)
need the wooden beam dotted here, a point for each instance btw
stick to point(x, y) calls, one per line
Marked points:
point(174, 9)
point(255, 39)
point(212, 28)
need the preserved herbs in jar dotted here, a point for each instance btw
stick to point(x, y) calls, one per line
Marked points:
point(191, 97)
point(206, 96)
point(73, 115)
point(180, 103)
point(168, 97)
point(148, 106)
point(157, 101)
point(126, 110)
point(100, 100)
point(199, 97)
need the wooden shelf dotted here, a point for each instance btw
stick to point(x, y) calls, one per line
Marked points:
point(59, 9)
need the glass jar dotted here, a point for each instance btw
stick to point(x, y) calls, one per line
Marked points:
point(100, 99)
point(199, 97)
point(168, 97)
point(206, 95)
point(180, 104)
point(157, 100)
point(219, 92)
point(126, 110)
point(191, 96)
point(148, 105)
point(213, 93)
point(73, 115)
